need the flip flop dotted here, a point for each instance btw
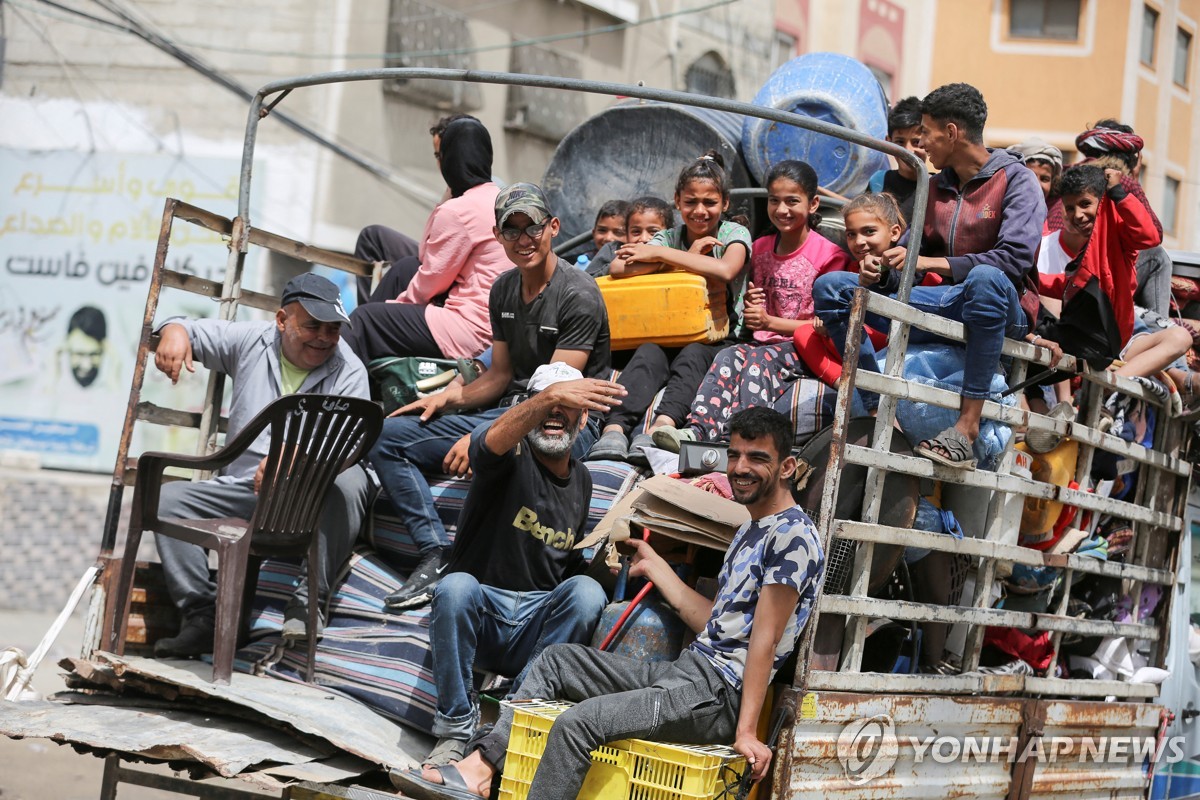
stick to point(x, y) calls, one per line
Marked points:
point(954, 443)
point(413, 785)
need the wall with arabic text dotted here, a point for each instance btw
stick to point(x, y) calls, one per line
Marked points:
point(77, 242)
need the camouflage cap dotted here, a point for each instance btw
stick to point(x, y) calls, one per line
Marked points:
point(522, 198)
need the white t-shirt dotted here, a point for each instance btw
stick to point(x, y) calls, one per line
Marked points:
point(1053, 257)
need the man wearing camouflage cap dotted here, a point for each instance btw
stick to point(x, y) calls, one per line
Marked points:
point(541, 312)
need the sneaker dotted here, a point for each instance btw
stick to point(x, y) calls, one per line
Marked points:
point(295, 622)
point(611, 446)
point(195, 638)
point(446, 751)
point(637, 452)
point(669, 438)
point(1154, 388)
point(418, 589)
point(1017, 667)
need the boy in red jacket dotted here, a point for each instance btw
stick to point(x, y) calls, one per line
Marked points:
point(1108, 226)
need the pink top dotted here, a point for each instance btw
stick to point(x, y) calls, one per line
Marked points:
point(460, 254)
point(788, 280)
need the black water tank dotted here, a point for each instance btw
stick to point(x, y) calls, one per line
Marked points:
point(636, 148)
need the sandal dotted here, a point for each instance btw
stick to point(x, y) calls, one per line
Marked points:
point(958, 450)
point(413, 785)
point(1017, 667)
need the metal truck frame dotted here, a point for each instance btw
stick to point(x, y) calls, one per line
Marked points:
point(830, 698)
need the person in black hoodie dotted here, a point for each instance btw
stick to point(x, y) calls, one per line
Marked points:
point(381, 244)
point(435, 304)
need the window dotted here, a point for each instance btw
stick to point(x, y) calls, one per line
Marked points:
point(1183, 56)
point(884, 78)
point(1044, 19)
point(418, 28)
point(709, 75)
point(548, 113)
point(1170, 205)
point(784, 49)
point(1149, 34)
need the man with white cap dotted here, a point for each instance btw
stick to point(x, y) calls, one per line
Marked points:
point(543, 311)
point(513, 584)
point(299, 351)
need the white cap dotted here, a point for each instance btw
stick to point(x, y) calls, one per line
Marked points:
point(547, 375)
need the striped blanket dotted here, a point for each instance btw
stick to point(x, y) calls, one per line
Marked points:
point(382, 659)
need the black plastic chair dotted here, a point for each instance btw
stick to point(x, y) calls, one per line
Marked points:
point(313, 438)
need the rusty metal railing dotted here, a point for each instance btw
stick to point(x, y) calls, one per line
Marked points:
point(1155, 515)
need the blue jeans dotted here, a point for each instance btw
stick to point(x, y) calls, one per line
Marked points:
point(986, 302)
point(502, 631)
point(409, 449)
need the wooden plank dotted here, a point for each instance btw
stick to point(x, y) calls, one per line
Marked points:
point(982, 548)
point(891, 683)
point(1076, 687)
point(923, 467)
point(159, 415)
point(887, 307)
point(1016, 417)
point(203, 218)
point(212, 289)
point(309, 253)
point(975, 683)
point(903, 609)
point(1096, 627)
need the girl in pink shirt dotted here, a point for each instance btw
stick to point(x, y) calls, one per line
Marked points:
point(784, 265)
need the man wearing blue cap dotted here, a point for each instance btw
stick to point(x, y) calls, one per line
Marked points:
point(299, 351)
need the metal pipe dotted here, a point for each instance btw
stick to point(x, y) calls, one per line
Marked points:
point(594, 87)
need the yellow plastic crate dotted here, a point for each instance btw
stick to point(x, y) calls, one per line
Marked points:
point(631, 769)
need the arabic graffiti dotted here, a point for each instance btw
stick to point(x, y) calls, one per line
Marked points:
point(28, 323)
point(122, 185)
point(106, 273)
point(141, 227)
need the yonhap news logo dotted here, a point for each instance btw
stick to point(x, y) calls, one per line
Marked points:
point(869, 748)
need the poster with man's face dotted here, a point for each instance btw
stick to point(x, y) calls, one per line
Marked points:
point(78, 233)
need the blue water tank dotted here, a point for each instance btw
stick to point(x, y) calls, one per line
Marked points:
point(832, 88)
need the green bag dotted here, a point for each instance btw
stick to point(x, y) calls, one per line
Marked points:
point(405, 379)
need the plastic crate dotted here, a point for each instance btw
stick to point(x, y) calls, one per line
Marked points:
point(631, 769)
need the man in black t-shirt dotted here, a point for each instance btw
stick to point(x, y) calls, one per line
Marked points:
point(542, 311)
point(513, 584)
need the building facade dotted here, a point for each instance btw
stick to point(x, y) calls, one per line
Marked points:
point(1046, 67)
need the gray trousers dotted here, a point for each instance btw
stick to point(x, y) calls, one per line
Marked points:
point(1154, 280)
point(186, 565)
point(684, 701)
